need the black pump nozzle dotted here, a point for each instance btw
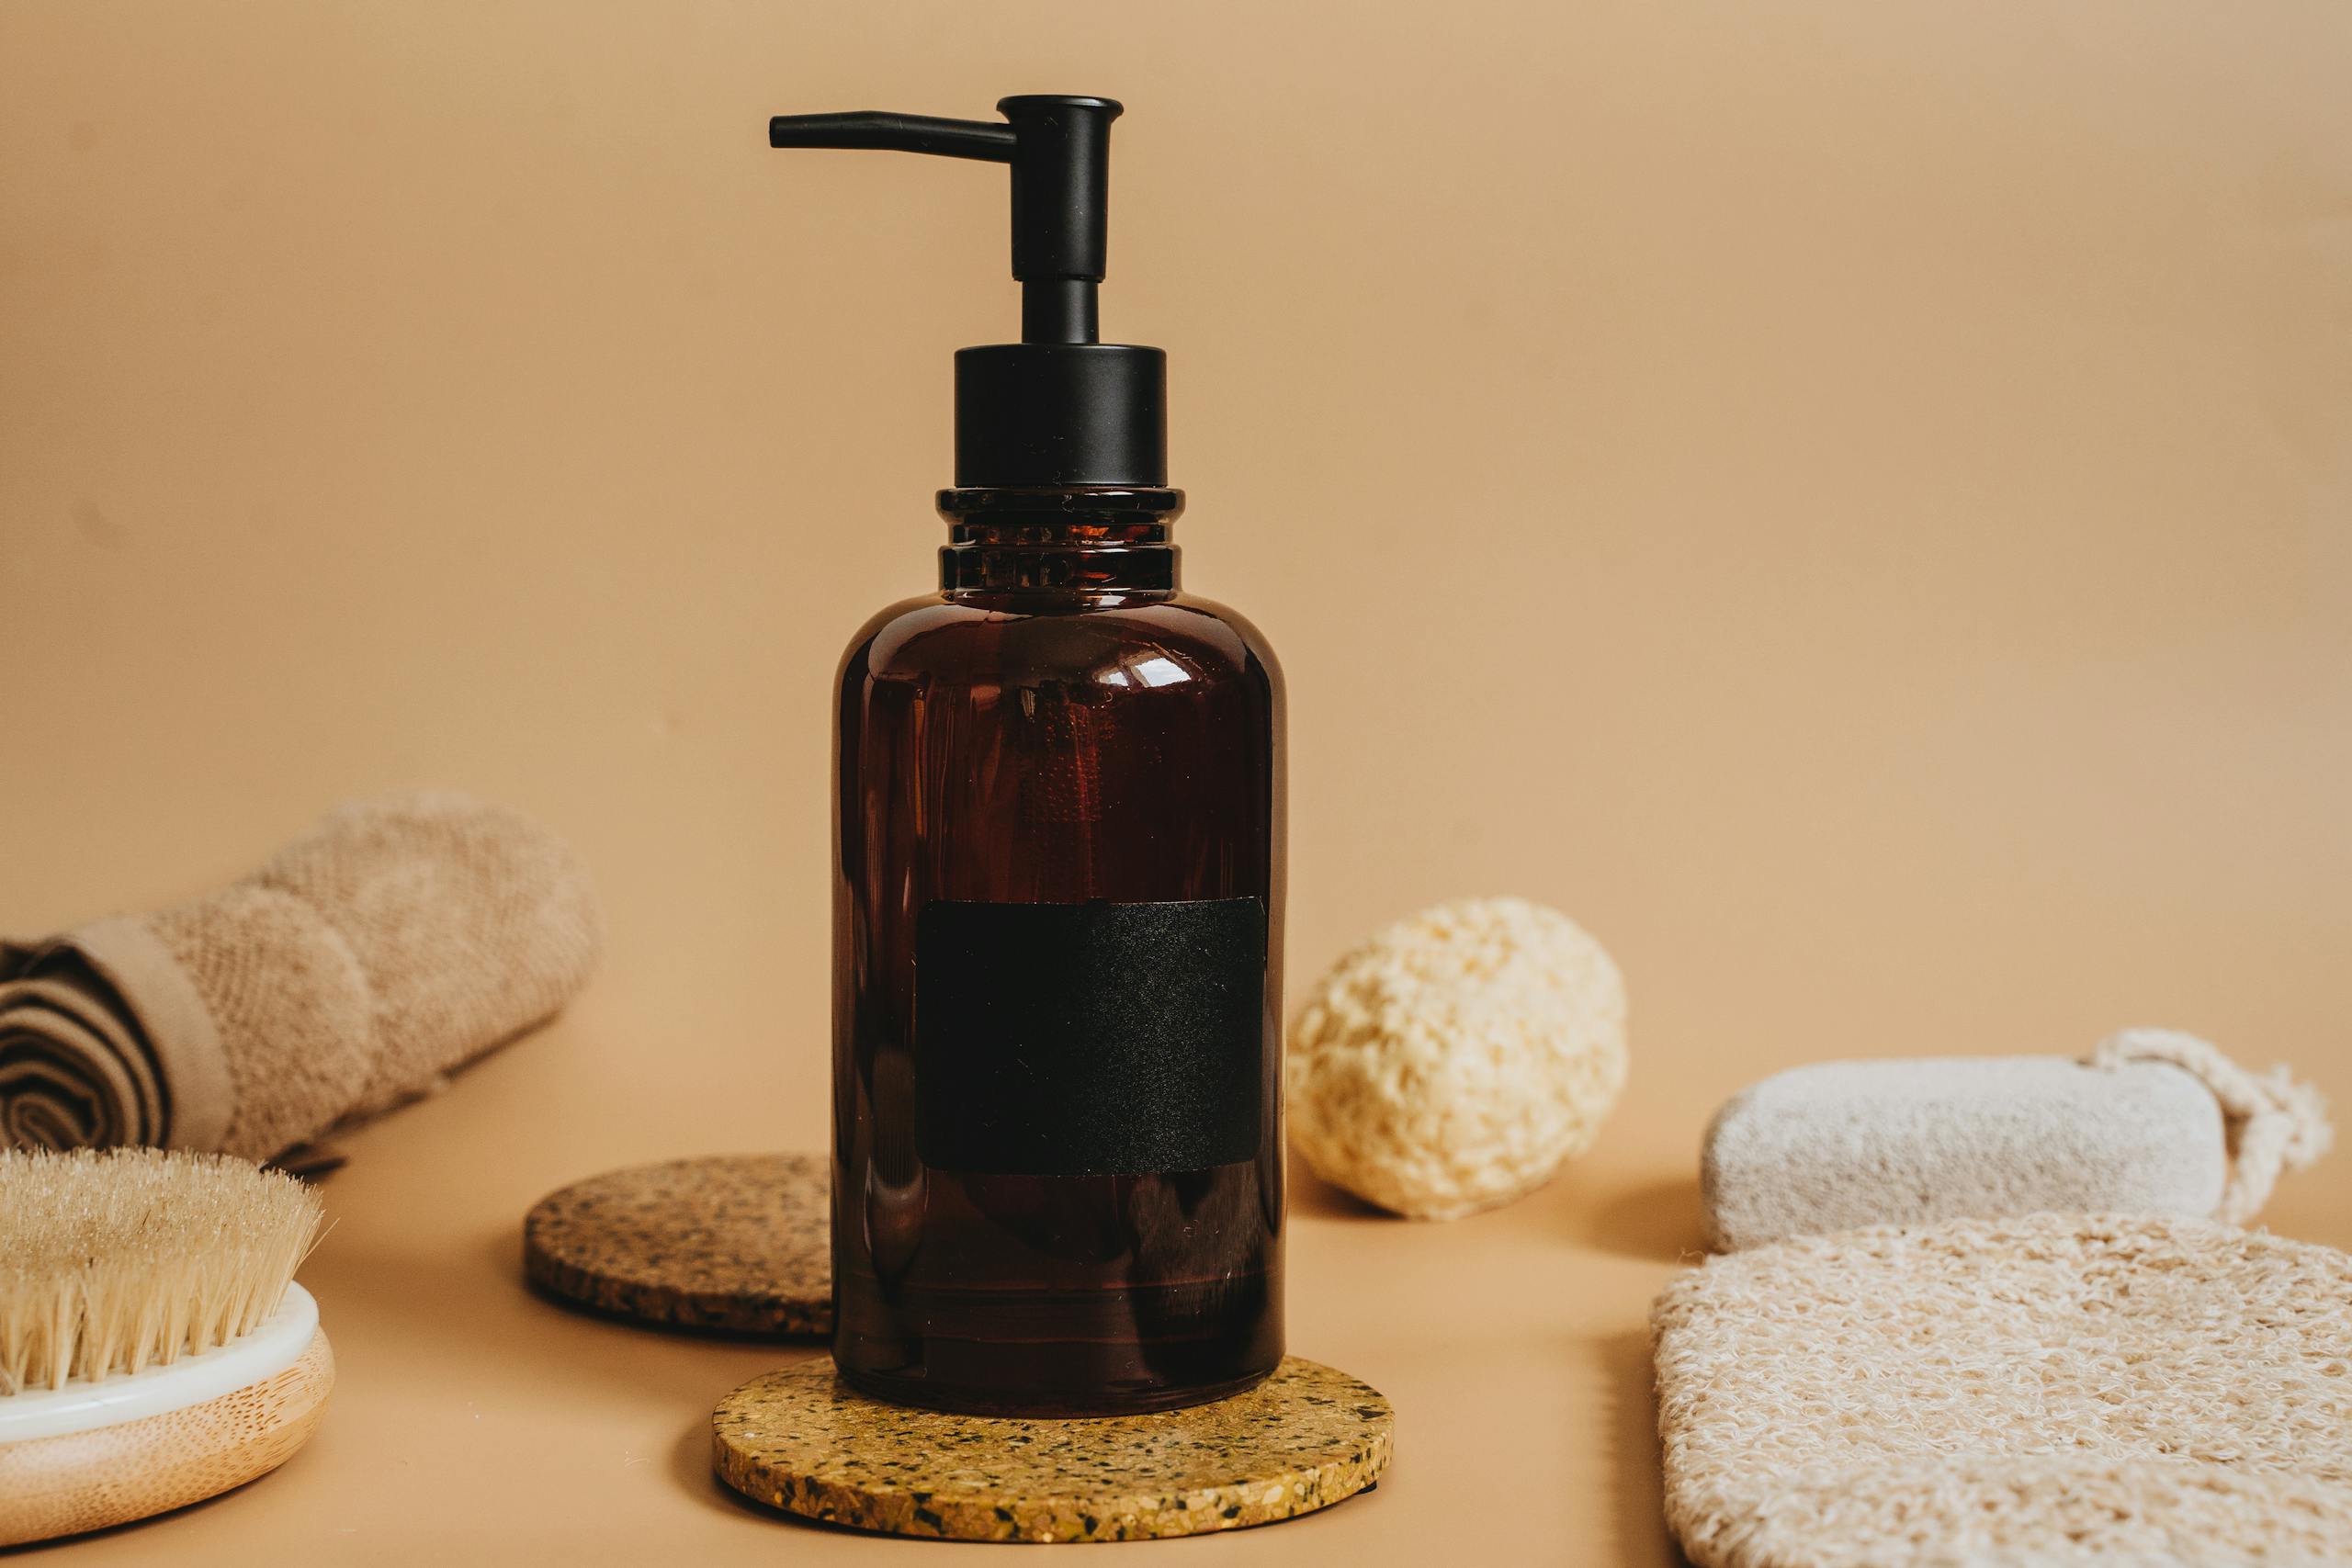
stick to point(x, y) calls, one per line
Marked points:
point(1060, 152)
point(1059, 408)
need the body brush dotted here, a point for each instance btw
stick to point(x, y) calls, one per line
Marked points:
point(155, 1349)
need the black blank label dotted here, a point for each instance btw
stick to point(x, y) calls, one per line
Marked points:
point(1083, 1039)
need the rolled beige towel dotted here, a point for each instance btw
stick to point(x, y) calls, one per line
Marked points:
point(397, 940)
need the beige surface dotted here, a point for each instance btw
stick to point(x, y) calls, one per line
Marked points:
point(1846, 501)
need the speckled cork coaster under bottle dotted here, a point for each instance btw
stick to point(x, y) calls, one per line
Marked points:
point(722, 1241)
point(801, 1441)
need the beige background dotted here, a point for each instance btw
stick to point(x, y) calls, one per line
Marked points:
point(1850, 501)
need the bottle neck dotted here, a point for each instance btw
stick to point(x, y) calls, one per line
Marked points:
point(1064, 543)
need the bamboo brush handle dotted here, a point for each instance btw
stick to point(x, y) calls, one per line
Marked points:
point(111, 1475)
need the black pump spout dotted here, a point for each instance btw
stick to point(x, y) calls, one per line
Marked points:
point(1061, 408)
point(1060, 152)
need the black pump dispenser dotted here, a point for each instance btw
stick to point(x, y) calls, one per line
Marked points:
point(1059, 408)
point(1058, 881)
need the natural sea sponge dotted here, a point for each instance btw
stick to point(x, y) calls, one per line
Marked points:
point(1456, 1060)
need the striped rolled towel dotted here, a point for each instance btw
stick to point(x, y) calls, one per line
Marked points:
point(396, 942)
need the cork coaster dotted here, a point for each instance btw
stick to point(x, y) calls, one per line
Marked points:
point(725, 1241)
point(801, 1441)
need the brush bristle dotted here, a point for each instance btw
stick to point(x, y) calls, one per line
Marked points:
point(113, 1260)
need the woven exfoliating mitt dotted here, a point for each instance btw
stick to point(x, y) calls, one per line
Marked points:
point(2051, 1390)
point(397, 940)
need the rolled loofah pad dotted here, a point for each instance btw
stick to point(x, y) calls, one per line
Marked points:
point(1453, 1062)
point(2154, 1123)
point(2051, 1390)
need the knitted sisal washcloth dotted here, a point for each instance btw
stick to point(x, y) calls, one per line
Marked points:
point(2046, 1391)
point(2154, 1122)
point(397, 940)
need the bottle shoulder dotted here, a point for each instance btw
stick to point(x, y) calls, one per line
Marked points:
point(996, 636)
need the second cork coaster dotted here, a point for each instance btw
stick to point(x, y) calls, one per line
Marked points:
point(802, 1441)
point(733, 1242)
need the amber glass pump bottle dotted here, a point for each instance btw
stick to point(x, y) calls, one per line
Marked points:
point(1058, 881)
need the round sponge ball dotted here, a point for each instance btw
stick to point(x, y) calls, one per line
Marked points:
point(1456, 1059)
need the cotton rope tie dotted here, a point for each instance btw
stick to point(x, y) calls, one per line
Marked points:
point(2273, 1124)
